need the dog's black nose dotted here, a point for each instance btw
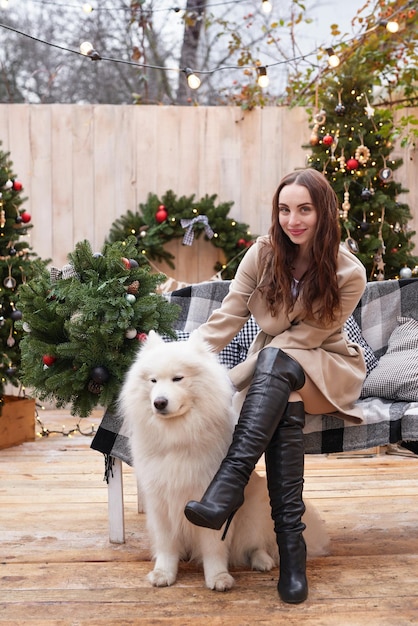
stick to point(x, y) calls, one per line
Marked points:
point(160, 403)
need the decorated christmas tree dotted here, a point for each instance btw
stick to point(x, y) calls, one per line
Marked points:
point(18, 263)
point(352, 144)
point(85, 323)
point(159, 220)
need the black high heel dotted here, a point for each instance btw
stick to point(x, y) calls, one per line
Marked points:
point(228, 523)
point(199, 515)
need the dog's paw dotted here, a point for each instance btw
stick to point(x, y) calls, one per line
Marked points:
point(220, 582)
point(161, 578)
point(261, 561)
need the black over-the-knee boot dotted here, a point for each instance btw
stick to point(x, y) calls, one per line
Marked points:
point(284, 458)
point(275, 376)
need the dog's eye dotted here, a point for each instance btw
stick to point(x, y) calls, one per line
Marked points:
point(177, 379)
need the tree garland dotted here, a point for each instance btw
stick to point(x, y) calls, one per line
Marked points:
point(160, 220)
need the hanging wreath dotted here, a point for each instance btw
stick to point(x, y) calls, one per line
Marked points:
point(160, 220)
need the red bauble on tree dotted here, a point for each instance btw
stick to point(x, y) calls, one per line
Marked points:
point(26, 217)
point(327, 140)
point(352, 164)
point(161, 214)
point(17, 185)
point(48, 359)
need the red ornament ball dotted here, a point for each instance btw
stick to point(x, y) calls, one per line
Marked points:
point(126, 263)
point(161, 214)
point(142, 336)
point(17, 185)
point(327, 140)
point(26, 217)
point(48, 359)
point(352, 164)
point(242, 242)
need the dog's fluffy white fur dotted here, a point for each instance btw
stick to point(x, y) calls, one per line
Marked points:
point(177, 400)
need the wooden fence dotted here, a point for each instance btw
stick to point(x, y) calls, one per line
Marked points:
point(82, 166)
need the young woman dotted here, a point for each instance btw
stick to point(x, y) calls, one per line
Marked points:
point(301, 285)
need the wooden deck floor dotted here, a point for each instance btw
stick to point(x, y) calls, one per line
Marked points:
point(58, 568)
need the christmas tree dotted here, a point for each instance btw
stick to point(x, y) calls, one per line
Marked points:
point(18, 263)
point(352, 143)
point(85, 323)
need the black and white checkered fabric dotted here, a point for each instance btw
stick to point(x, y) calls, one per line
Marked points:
point(236, 351)
point(385, 421)
point(354, 334)
point(396, 374)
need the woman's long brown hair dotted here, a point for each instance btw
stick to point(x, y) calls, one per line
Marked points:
point(321, 297)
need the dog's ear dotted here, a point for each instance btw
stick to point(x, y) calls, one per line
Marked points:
point(153, 339)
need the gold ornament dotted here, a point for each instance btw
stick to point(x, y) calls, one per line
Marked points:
point(319, 119)
point(362, 154)
point(346, 206)
point(342, 161)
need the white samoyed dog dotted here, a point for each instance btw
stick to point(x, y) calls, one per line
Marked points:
point(177, 400)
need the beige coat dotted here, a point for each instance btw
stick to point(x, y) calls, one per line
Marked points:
point(333, 363)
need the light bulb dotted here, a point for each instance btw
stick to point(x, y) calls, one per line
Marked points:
point(266, 6)
point(333, 59)
point(263, 79)
point(87, 8)
point(4, 4)
point(392, 26)
point(87, 49)
point(192, 79)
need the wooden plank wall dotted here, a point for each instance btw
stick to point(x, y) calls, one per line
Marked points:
point(82, 166)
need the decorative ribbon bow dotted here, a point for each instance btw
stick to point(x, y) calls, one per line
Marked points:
point(67, 271)
point(189, 234)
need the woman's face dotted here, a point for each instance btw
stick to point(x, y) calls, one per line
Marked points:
point(297, 215)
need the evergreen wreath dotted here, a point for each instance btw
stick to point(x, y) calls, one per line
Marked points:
point(85, 323)
point(159, 220)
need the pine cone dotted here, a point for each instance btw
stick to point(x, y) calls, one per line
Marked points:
point(133, 287)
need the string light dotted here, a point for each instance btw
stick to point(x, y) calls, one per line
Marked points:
point(391, 26)
point(266, 6)
point(87, 49)
point(149, 11)
point(192, 79)
point(45, 432)
point(263, 79)
point(333, 59)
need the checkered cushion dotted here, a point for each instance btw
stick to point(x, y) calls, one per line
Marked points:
point(396, 375)
point(381, 304)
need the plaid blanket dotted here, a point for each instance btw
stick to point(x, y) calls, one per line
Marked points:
point(380, 305)
point(385, 421)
